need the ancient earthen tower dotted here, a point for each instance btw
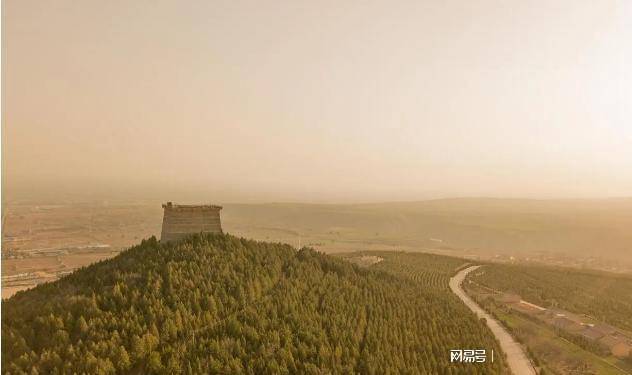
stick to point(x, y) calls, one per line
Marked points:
point(182, 220)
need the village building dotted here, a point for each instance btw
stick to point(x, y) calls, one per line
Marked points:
point(555, 313)
point(526, 308)
point(562, 322)
point(606, 329)
point(592, 334)
point(509, 298)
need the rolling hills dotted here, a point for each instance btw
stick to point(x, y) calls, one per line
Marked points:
point(221, 304)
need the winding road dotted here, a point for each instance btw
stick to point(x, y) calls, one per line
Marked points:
point(517, 359)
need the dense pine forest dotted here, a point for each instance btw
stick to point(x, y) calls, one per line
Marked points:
point(221, 304)
point(604, 296)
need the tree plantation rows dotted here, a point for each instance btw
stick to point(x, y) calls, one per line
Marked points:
point(220, 304)
point(431, 270)
point(603, 296)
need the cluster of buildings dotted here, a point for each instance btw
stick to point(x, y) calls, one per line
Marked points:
point(617, 341)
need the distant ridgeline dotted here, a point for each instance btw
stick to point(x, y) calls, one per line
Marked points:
point(180, 221)
point(217, 304)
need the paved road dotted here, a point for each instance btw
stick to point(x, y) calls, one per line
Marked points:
point(516, 357)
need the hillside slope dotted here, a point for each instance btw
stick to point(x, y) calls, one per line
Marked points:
point(220, 304)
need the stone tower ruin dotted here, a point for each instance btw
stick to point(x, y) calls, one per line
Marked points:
point(180, 221)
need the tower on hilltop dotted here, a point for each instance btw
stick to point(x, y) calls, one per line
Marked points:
point(180, 221)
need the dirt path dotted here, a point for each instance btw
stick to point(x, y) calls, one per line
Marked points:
point(517, 359)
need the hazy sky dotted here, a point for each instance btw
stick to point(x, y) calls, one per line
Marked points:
point(318, 100)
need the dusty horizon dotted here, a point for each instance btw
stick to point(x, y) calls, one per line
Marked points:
point(151, 196)
point(303, 102)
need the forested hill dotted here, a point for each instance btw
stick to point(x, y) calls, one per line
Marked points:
point(220, 304)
